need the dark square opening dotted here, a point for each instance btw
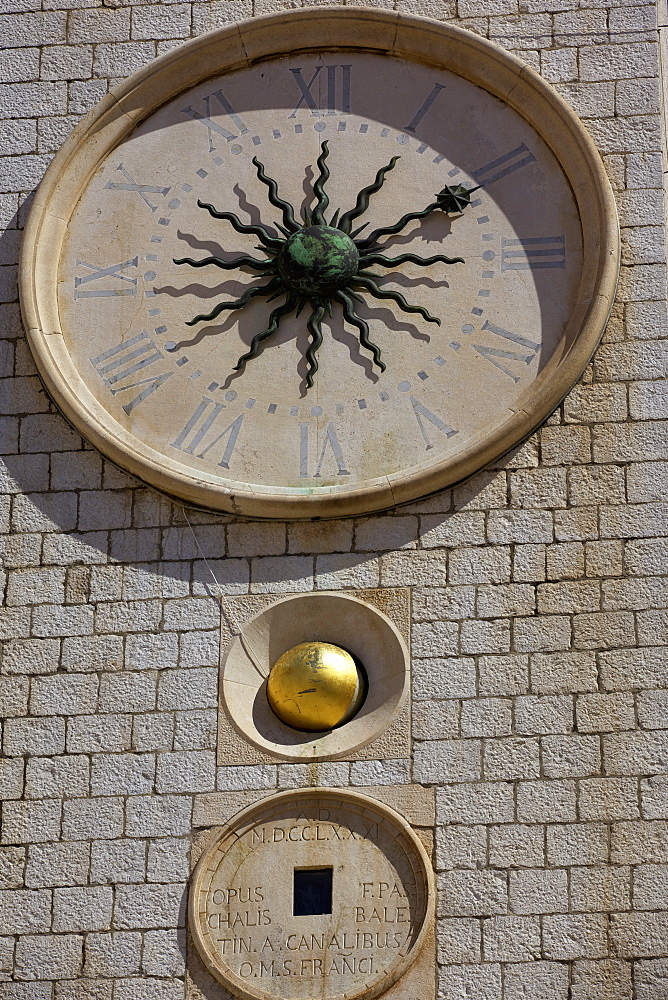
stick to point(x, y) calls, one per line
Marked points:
point(312, 891)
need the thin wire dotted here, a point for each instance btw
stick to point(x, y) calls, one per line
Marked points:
point(225, 607)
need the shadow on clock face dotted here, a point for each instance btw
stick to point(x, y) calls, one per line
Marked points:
point(243, 328)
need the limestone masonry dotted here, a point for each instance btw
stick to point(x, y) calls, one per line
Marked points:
point(532, 761)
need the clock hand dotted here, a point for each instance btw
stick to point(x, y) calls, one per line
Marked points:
point(455, 199)
point(450, 199)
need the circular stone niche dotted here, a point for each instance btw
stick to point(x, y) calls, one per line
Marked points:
point(342, 620)
point(312, 893)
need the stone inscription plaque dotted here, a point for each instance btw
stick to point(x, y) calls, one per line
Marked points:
point(312, 893)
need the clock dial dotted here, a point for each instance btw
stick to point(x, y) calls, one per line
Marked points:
point(320, 284)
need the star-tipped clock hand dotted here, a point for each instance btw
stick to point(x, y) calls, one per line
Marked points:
point(448, 200)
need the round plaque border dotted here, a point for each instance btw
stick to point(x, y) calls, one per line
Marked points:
point(338, 797)
point(239, 46)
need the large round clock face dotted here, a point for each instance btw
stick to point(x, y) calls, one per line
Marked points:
point(319, 284)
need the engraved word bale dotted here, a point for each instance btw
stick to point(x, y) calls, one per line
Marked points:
point(312, 893)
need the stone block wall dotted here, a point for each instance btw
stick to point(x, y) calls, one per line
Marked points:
point(540, 627)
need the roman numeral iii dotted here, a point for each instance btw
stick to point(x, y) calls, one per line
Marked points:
point(533, 253)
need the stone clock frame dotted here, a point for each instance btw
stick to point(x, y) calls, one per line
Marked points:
point(237, 47)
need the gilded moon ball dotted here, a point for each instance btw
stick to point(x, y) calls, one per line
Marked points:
point(315, 686)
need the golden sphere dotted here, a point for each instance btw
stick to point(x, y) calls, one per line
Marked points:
point(315, 686)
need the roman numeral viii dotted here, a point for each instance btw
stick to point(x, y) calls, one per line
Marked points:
point(119, 366)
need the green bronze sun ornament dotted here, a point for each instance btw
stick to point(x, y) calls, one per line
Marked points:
point(322, 262)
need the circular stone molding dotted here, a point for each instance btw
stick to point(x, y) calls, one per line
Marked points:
point(312, 892)
point(340, 619)
point(403, 446)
